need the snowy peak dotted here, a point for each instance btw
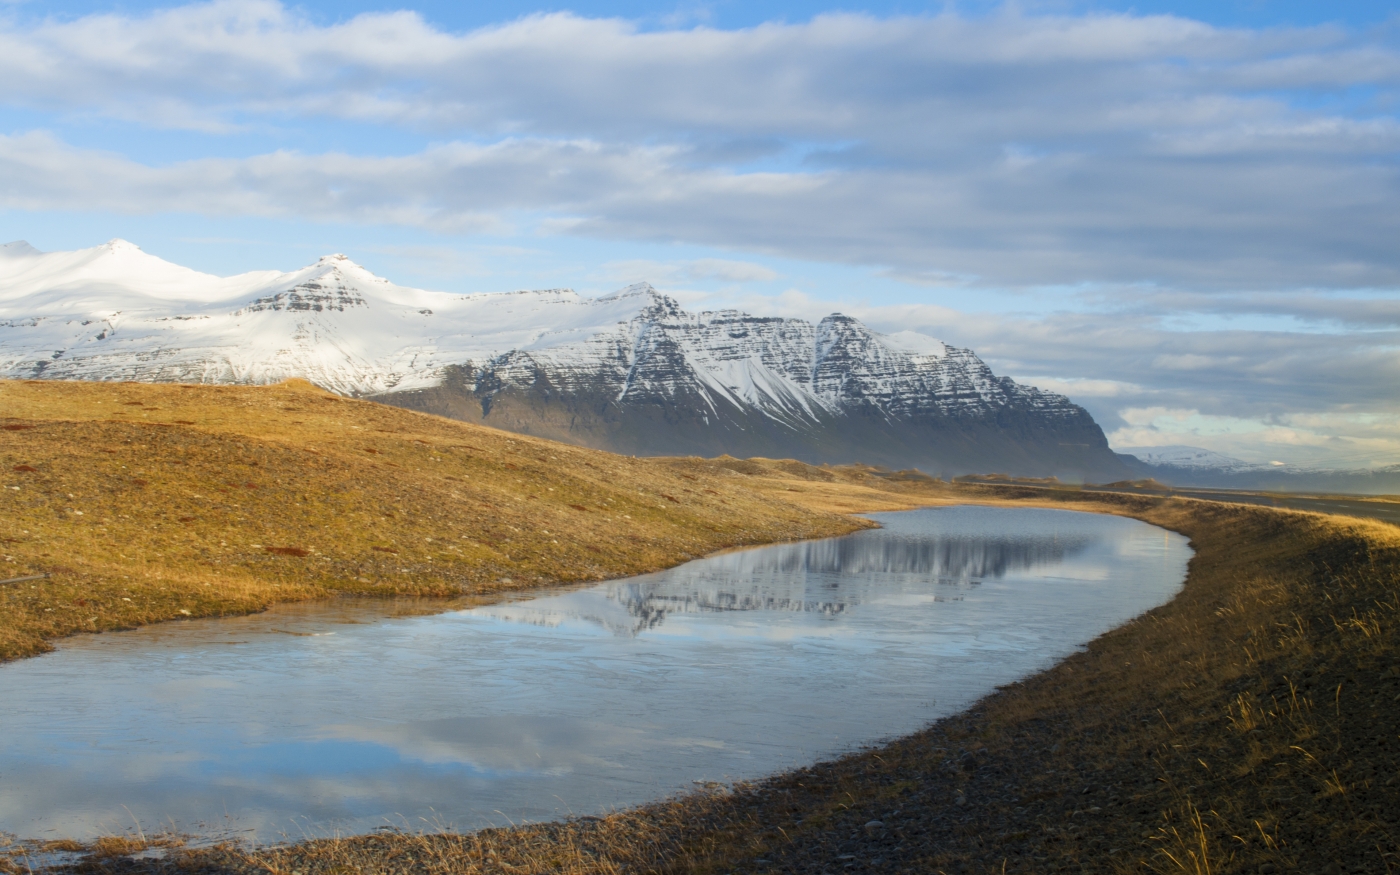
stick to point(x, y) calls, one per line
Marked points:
point(117, 275)
point(114, 312)
point(1178, 456)
point(338, 324)
point(333, 283)
point(18, 249)
point(636, 290)
point(654, 306)
point(346, 271)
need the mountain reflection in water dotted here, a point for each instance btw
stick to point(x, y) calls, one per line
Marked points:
point(339, 717)
point(821, 577)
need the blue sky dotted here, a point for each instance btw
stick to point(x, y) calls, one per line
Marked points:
point(450, 15)
point(1180, 214)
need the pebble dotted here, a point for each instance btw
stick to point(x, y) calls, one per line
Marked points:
point(875, 824)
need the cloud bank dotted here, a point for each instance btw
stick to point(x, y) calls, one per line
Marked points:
point(1005, 150)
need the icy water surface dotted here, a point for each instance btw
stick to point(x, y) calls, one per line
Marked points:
point(309, 720)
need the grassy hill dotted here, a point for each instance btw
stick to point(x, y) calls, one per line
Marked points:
point(156, 502)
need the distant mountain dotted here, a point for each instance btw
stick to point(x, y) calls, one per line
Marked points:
point(1191, 457)
point(1194, 466)
point(630, 372)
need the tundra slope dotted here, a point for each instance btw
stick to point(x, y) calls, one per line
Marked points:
point(630, 372)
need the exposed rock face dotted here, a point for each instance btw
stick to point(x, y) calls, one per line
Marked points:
point(310, 296)
point(676, 383)
point(630, 372)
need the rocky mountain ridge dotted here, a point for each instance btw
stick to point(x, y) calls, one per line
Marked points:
point(631, 371)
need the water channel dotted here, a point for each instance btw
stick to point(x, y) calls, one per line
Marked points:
point(343, 717)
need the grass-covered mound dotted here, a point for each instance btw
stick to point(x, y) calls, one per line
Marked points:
point(155, 502)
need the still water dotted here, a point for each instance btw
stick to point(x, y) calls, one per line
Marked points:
point(308, 720)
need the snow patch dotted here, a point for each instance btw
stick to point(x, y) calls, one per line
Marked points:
point(1187, 457)
point(914, 343)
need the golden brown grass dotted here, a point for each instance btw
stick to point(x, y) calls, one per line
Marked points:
point(157, 502)
point(846, 489)
point(1247, 726)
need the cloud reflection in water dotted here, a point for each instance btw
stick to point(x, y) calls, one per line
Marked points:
point(572, 701)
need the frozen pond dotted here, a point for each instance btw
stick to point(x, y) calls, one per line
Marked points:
point(309, 720)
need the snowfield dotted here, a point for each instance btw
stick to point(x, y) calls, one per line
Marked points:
point(114, 312)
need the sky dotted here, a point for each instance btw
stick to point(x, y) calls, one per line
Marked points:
point(1183, 215)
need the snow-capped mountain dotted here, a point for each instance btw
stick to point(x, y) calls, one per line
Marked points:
point(1191, 457)
point(1185, 466)
point(630, 371)
point(114, 312)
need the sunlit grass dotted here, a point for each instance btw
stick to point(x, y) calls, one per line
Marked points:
point(156, 502)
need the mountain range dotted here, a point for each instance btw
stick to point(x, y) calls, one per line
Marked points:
point(1194, 466)
point(630, 372)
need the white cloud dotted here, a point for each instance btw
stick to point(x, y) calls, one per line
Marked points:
point(1323, 441)
point(664, 272)
point(730, 271)
point(1146, 149)
point(1361, 308)
point(433, 261)
point(456, 188)
point(1085, 388)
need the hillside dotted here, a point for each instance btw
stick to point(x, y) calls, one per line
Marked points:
point(155, 502)
point(631, 372)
